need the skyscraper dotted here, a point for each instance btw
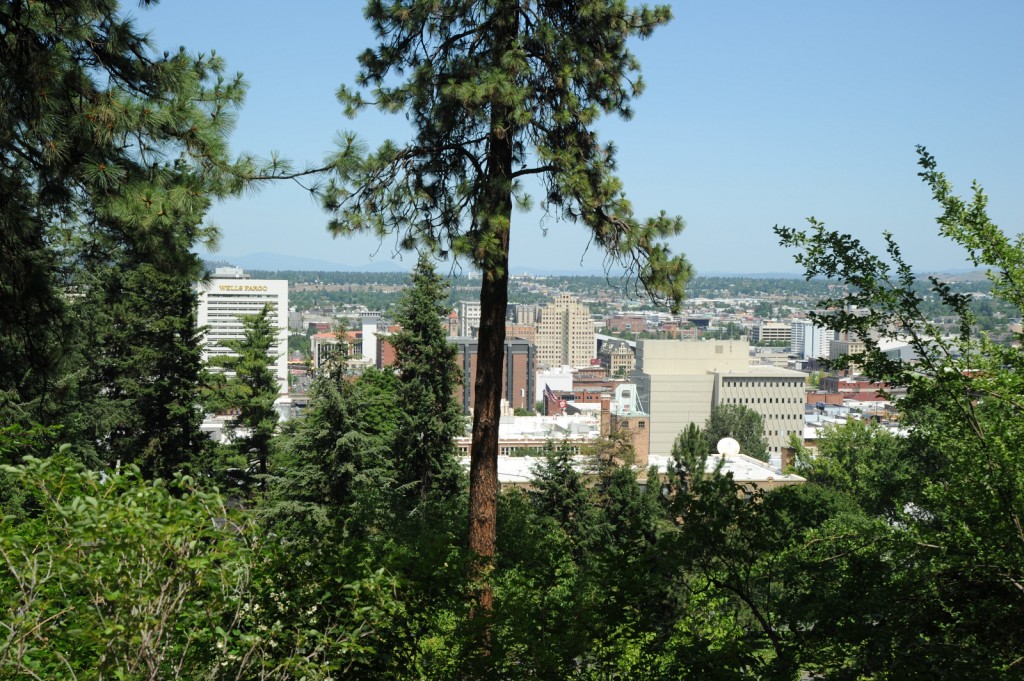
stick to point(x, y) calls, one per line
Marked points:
point(230, 295)
point(565, 333)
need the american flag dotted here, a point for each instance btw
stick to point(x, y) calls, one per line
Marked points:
point(549, 394)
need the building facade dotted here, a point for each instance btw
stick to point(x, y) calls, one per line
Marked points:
point(617, 357)
point(675, 381)
point(776, 333)
point(680, 382)
point(228, 296)
point(778, 395)
point(469, 319)
point(565, 333)
point(809, 341)
point(518, 372)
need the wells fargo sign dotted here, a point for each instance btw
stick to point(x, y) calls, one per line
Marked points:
point(239, 287)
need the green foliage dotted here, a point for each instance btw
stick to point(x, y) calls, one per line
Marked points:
point(137, 398)
point(429, 377)
point(247, 384)
point(741, 423)
point(337, 460)
point(864, 460)
point(126, 578)
point(949, 569)
point(110, 158)
point(497, 92)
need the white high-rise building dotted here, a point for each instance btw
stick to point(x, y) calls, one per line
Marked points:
point(469, 318)
point(230, 295)
point(565, 333)
point(810, 341)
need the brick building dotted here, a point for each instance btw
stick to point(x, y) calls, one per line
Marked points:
point(518, 372)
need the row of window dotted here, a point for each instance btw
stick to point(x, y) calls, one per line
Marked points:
point(762, 400)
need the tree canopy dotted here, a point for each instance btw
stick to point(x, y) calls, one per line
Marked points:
point(498, 92)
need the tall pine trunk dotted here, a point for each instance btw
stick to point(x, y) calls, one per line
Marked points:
point(494, 215)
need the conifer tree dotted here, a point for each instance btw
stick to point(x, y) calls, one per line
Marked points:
point(248, 385)
point(109, 157)
point(425, 361)
point(498, 91)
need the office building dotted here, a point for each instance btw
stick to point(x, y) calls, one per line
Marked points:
point(469, 319)
point(228, 296)
point(808, 340)
point(774, 333)
point(680, 382)
point(565, 333)
point(518, 371)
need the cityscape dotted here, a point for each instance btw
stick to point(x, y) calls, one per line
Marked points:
point(511, 339)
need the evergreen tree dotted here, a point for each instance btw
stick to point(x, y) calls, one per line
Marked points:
point(431, 418)
point(247, 384)
point(137, 399)
point(499, 91)
point(110, 157)
point(336, 463)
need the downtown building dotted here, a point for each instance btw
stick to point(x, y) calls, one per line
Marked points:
point(228, 296)
point(518, 373)
point(810, 341)
point(565, 333)
point(679, 382)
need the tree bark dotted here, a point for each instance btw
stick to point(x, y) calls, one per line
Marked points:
point(493, 217)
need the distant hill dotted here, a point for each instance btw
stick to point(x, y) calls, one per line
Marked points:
point(276, 262)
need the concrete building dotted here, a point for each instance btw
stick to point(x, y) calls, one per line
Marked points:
point(771, 332)
point(525, 313)
point(679, 382)
point(847, 345)
point(778, 395)
point(518, 373)
point(565, 333)
point(469, 319)
point(228, 296)
point(676, 382)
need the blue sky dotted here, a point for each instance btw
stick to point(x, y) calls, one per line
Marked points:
point(755, 114)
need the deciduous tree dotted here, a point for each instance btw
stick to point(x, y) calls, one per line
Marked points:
point(741, 423)
point(949, 588)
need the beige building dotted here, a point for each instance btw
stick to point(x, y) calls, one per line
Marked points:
point(617, 357)
point(772, 332)
point(565, 333)
point(774, 393)
point(680, 381)
point(676, 381)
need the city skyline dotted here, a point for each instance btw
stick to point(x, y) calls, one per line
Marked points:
point(754, 115)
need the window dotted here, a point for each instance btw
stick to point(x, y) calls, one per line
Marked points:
point(641, 424)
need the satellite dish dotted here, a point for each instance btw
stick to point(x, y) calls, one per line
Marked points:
point(728, 446)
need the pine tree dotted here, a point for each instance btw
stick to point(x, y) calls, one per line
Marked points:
point(431, 418)
point(136, 401)
point(498, 91)
point(248, 385)
point(109, 157)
